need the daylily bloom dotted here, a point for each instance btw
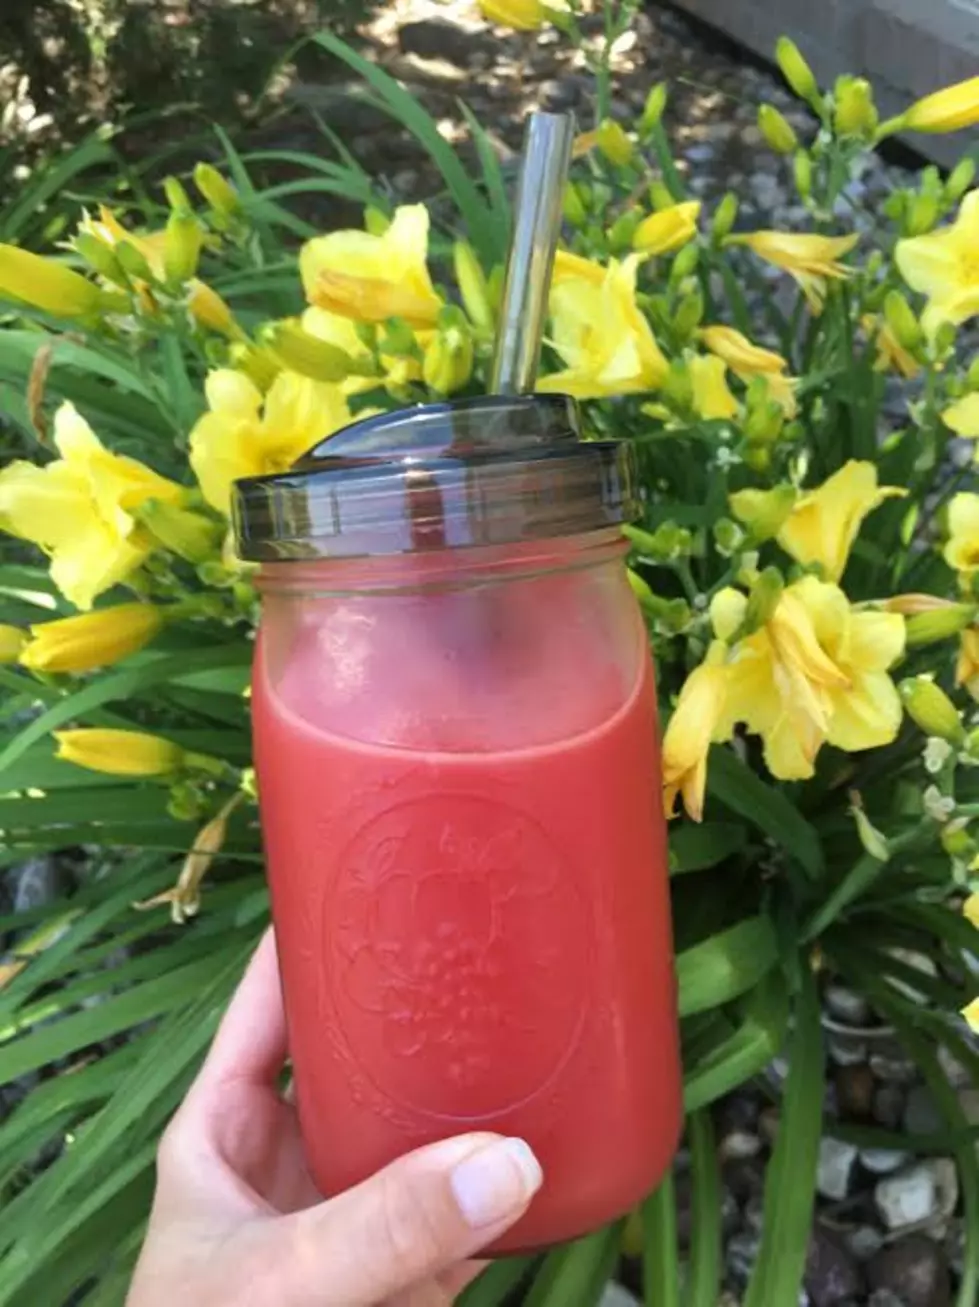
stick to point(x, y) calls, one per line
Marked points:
point(399, 369)
point(891, 354)
point(747, 361)
point(691, 731)
point(119, 753)
point(967, 666)
point(963, 417)
point(81, 509)
point(824, 522)
point(77, 644)
point(962, 549)
point(46, 284)
point(247, 434)
point(944, 266)
point(971, 1014)
point(610, 138)
point(815, 672)
point(601, 333)
point(763, 512)
point(372, 278)
point(712, 397)
point(203, 303)
point(522, 15)
point(667, 230)
point(948, 110)
point(12, 641)
point(812, 260)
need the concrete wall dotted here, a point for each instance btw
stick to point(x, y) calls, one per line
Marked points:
point(905, 47)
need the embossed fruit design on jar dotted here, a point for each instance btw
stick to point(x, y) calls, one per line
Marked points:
point(455, 729)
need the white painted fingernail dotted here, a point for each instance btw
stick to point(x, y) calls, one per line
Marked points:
point(496, 1182)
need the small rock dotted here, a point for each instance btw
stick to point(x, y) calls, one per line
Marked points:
point(957, 1075)
point(915, 1270)
point(439, 38)
point(885, 1298)
point(888, 1109)
point(36, 883)
point(921, 1113)
point(845, 1050)
point(740, 1256)
point(754, 1214)
point(832, 1274)
point(894, 1070)
point(946, 1177)
point(882, 1161)
point(738, 1146)
point(855, 1087)
point(836, 1163)
point(864, 1241)
point(908, 1198)
point(616, 1296)
point(847, 1006)
point(730, 1214)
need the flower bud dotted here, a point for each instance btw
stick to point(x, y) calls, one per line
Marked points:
point(622, 231)
point(614, 144)
point(872, 840)
point(763, 599)
point(100, 257)
point(89, 640)
point(12, 642)
point(956, 841)
point(922, 214)
point(796, 71)
point(902, 321)
point(689, 314)
point(685, 264)
point(177, 197)
point(777, 130)
point(258, 364)
point(300, 351)
point(660, 195)
point(960, 180)
point(448, 361)
point(574, 207)
point(728, 537)
point(375, 220)
point(216, 190)
point(763, 512)
point(725, 216)
point(653, 109)
point(45, 284)
point(182, 246)
point(188, 535)
point(939, 624)
point(119, 753)
point(473, 287)
point(133, 261)
point(972, 376)
point(855, 113)
point(802, 172)
point(930, 708)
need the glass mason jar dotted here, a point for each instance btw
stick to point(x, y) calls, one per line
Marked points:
point(458, 769)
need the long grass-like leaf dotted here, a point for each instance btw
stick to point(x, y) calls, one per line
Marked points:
point(660, 1257)
point(704, 1284)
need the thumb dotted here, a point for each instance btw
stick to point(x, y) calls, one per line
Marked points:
point(413, 1220)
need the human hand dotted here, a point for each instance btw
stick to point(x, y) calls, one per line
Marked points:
point(237, 1220)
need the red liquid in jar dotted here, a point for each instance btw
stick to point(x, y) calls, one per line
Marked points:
point(473, 926)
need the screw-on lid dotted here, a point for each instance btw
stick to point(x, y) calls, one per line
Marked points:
point(487, 471)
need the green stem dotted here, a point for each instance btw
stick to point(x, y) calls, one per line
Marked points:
point(704, 1284)
point(660, 1260)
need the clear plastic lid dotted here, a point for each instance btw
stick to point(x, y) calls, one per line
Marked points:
point(486, 471)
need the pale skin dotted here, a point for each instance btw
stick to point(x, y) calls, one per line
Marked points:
point(237, 1220)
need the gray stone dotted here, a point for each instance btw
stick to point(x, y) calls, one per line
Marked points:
point(835, 1170)
point(946, 1177)
point(845, 1050)
point(738, 1146)
point(898, 1071)
point(740, 1256)
point(616, 1296)
point(440, 38)
point(36, 883)
point(864, 1241)
point(888, 1109)
point(885, 1298)
point(882, 1161)
point(832, 1275)
point(908, 1198)
point(921, 1113)
point(846, 1005)
point(915, 1269)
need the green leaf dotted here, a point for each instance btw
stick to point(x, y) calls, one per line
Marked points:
point(704, 1285)
point(737, 787)
point(726, 966)
point(733, 1058)
point(496, 1283)
point(660, 1260)
point(576, 1275)
point(696, 848)
point(790, 1184)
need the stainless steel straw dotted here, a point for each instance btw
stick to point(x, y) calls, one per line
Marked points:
point(536, 227)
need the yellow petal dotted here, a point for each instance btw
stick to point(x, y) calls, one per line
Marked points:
point(667, 230)
point(876, 640)
point(948, 110)
point(962, 549)
point(45, 284)
point(119, 753)
point(800, 252)
point(963, 417)
point(78, 644)
point(867, 715)
point(967, 664)
point(232, 393)
point(523, 15)
point(689, 735)
point(712, 397)
point(971, 1014)
point(727, 612)
point(970, 910)
point(739, 353)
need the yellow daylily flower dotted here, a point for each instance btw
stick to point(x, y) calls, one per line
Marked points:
point(12, 641)
point(119, 753)
point(763, 512)
point(962, 549)
point(747, 361)
point(667, 230)
point(948, 110)
point(247, 434)
point(77, 644)
point(712, 397)
point(812, 260)
point(824, 522)
point(46, 284)
point(372, 278)
point(601, 334)
point(816, 672)
point(971, 1014)
point(203, 303)
point(522, 15)
point(81, 509)
point(962, 417)
point(970, 910)
point(967, 665)
point(575, 267)
point(891, 354)
point(399, 369)
point(944, 266)
point(692, 729)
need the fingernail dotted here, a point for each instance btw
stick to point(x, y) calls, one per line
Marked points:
point(496, 1182)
